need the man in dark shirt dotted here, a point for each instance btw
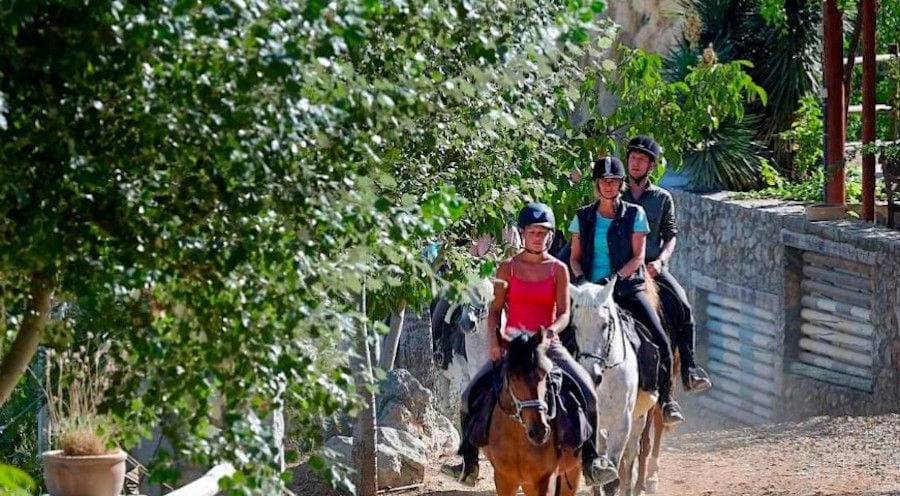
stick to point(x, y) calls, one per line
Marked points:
point(641, 156)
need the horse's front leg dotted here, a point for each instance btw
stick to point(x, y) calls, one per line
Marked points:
point(618, 392)
point(540, 487)
point(505, 485)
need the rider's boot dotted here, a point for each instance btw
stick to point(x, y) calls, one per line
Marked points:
point(671, 410)
point(597, 469)
point(693, 377)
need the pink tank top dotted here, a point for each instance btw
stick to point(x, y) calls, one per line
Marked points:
point(530, 304)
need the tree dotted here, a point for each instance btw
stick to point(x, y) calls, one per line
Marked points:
point(214, 182)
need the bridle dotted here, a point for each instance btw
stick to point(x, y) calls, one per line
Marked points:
point(519, 406)
point(602, 359)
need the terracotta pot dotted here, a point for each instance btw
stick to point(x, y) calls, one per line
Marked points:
point(98, 475)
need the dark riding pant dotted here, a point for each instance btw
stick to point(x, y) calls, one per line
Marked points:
point(681, 317)
point(481, 382)
point(639, 305)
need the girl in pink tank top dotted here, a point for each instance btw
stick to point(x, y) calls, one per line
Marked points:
point(530, 305)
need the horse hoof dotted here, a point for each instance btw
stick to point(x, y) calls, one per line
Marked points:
point(651, 486)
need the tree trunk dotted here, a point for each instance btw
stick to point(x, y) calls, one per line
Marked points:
point(19, 355)
point(392, 340)
point(364, 442)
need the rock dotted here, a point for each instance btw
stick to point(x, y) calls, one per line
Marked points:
point(404, 404)
point(401, 457)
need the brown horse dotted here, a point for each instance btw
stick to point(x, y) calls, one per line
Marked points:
point(522, 444)
point(648, 456)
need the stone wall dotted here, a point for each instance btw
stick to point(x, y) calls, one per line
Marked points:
point(749, 251)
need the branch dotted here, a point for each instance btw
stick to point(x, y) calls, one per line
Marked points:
point(392, 341)
point(28, 337)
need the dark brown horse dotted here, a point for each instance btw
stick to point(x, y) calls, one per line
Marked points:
point(648, 456)
point(522, 445)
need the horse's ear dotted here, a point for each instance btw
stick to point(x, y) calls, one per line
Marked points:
point(606, 292)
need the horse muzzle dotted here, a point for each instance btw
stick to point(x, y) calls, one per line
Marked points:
point(538, 433)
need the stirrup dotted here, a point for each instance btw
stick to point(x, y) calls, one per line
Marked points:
point(697, 380)
point(601, 472)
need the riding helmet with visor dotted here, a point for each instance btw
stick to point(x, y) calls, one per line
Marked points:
point(537, 214)
point(645, 145)
point(608, 168)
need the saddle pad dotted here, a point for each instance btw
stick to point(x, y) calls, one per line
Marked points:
point(646, 350)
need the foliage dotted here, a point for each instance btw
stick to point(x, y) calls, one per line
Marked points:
point(887, 78)
point(885, 151)
point(15, 482)
point(725, 158)
point(212, 184)
point(785, 58)
point(18, 437)
point(804, 139)
point(773, 11)
point(811, 189)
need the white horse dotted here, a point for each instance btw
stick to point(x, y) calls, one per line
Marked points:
point(463, 368)
point(611, 361)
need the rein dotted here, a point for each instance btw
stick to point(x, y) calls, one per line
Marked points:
point(603, 366)
point(548, 409)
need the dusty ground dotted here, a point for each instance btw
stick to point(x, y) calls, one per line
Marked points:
point(820, 456)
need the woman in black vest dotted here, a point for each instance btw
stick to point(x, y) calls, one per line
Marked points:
point(609, 237)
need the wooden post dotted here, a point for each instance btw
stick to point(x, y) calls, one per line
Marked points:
point(835, 119)
point(868, 102)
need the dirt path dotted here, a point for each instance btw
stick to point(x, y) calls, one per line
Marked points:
point(821, 456)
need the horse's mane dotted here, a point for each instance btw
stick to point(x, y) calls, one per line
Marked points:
point(524, 355)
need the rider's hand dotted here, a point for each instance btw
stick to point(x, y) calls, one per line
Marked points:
point(579, 280)
point(496, 352)
point(548, 332)
point(654, 268)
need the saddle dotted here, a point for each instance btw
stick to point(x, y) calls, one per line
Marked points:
point(565, 403)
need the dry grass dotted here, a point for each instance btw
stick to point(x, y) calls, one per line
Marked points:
point(76, 382)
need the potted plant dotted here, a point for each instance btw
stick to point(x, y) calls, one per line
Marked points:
point(87, 462)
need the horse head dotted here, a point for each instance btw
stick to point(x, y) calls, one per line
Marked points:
point(525, 384)
point(594, 316)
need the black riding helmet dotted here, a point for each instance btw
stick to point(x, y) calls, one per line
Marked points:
point(537, 214)
point(646, 145)
point(608, 167)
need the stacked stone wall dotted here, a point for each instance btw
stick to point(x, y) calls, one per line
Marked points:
point(751, 251)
